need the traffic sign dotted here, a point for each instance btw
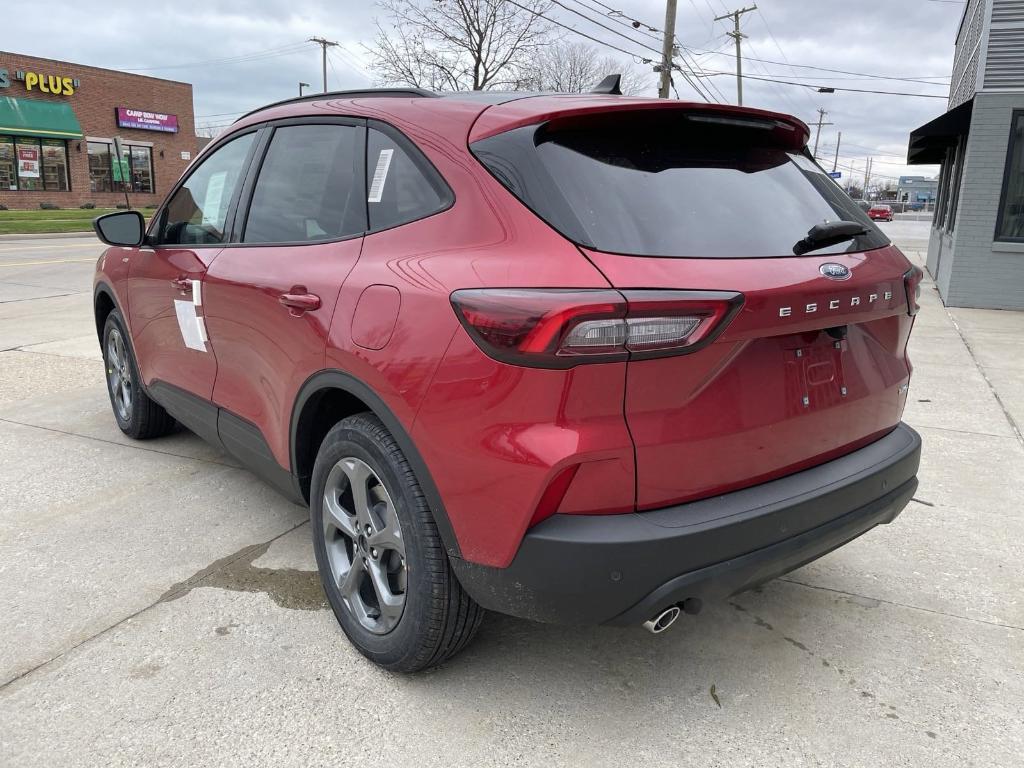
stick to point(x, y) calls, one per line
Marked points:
point(835, 174)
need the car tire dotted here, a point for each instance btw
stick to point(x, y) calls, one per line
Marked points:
point(136, 413)
point(390, 586)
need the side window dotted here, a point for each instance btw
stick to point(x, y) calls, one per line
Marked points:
point(196, 213)
point(310, 186)
point(402, 185)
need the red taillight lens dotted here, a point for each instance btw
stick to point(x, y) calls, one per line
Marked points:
point(550, 328)
point(912, 283)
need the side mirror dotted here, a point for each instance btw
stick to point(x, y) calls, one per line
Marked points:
point(124, 228)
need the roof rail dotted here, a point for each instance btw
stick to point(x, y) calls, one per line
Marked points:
point(365, 92)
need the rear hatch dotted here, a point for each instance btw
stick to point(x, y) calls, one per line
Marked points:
point(811, 367)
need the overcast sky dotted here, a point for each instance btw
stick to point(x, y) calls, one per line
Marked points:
point(908, 39)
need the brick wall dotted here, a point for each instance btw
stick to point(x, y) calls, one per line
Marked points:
point(100, 91)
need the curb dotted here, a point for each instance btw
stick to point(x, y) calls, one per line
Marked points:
point(48, 235)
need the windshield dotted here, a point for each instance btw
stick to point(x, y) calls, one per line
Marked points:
point(668, 185)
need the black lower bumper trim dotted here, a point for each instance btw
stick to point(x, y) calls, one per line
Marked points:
point(622, 569)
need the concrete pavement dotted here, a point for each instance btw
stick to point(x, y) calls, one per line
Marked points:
point(160, 605)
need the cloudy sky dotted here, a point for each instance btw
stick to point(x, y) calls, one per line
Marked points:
point(239, 54)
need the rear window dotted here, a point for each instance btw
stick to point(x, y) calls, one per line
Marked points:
point(672, 185)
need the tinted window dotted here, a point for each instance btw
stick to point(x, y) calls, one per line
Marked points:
point(197, 211)
point(669, 185)
point(402, 185)
point(310, 186)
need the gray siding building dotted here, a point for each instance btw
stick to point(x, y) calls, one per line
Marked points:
point(976, 250)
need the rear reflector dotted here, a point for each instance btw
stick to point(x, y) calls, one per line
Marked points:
point(553, 328)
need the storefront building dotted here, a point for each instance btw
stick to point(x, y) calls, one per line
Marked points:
point(58, 122)
point(976, 248)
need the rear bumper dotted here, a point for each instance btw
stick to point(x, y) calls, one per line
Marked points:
point(622, 569)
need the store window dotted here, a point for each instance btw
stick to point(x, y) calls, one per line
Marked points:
point(31, 164)
point(99, 167)
point(8, 176)
point(141, 160)
point(1010, 224)
point(55, 165)
point(30, 175)
point(134, 172)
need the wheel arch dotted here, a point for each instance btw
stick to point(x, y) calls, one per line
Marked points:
point(328, 396)
point(103, 303)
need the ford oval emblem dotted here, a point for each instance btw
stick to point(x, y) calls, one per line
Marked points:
point(835, 271)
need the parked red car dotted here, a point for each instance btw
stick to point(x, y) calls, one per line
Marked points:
point(551, 356)
point(880, 212)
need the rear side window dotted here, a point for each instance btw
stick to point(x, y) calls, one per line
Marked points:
point(402, 185)
point(671, 185)
point(197, 212)
point(310, 186)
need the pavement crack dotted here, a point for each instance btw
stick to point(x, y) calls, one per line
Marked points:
point(223, 562)
point(999, 624)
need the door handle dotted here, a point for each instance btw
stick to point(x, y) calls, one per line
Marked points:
point(299, 301)
point(182, 284)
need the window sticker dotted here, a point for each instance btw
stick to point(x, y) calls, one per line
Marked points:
point(380, 175)
point(214, 199)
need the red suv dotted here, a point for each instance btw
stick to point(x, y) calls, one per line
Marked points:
point(584, 359)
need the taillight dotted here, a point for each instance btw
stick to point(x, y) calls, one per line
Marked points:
point(555, 328)
point(912, 283)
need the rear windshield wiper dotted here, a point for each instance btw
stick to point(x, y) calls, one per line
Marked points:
point(828, 233)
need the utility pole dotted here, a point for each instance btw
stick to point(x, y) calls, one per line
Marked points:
point(867, 177)
point(667, 46)
point(821, 117)
point(737, 36)
point(835, 163)
point(324, 45)
point(301, 86)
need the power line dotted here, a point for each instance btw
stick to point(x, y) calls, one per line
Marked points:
point(620, 18)
point(688, 67)
point(834, 88)
point(920, 78)
point(636, 56)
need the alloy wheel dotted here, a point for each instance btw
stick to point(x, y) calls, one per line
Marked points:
point(364, 544)
point(119, 374)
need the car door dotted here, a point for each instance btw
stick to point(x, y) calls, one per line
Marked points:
point(165, 279)
point(269, 298)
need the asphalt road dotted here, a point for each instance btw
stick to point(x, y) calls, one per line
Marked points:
point(159, 604)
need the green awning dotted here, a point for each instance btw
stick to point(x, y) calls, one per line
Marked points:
point(48, 119)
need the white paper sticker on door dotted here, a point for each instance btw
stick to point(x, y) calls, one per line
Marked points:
point(214, 199)
point(193, 332)
point(380, 175)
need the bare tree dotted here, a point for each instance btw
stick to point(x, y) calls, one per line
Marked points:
point(457, 45)
point(577, 67)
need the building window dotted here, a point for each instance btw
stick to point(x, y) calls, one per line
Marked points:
point(135, 171)
point(8, 175)
point(33, 164)
point(1010, 223)
point(141, 159)
point(55, 165)
point(30, 176)
point(99, 167)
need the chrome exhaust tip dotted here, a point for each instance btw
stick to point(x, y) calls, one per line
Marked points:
point(659, 623)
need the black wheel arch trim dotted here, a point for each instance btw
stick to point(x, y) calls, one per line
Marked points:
point(340, 380)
